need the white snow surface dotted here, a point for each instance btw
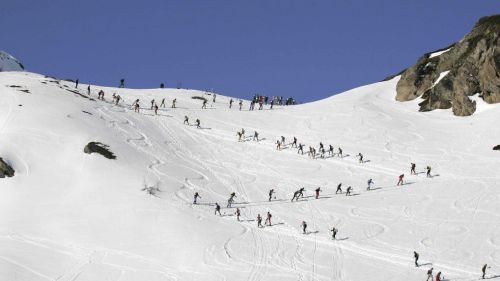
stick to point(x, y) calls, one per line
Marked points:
point(67, 215)
point(439, 53)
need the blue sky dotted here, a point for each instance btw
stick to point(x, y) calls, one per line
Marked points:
point(306, 49)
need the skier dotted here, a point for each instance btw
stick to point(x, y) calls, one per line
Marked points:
point(304, 227)
point(278, 145)
point(271, 192)
point(204, 106)
point(294, 143)
point(318, 190)
point(238, 133)
point(186, 120)
point(198, 123)
point(76, 83)
point(217, 209)
point(438, 276)
point(296, 195)
point(283, 140)
point(272, 104)
point(136, 108)
point(243, 133)
point(152, 104)
point(301, 149)
point(429, 274)
point(196, 196)
point(173, 103)
point(256, 136)
point(162, 86)
point(259, 221)
point(260, 105)
point(330, 151)
point(230, 103)
point(215, 95)
point(88, 90)
point(348, 191)
point(238, 214)
point(122, 83)
point(118, 98)
point(162, 102)
point(370, 182)
point(241, 104)
point(268, 219)
point(400, 182)
point(339, 188)
point(156, 109)
point(360, 157)
point(320, 146)
point(412, 170)
point(416, 256)
point(322, 151)
point(231, 199)
point(340, 153)
point(301, 192)
point(484, 270)
point(334, 232)
point(428, 171)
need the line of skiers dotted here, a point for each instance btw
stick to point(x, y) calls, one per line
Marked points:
point(197, 122)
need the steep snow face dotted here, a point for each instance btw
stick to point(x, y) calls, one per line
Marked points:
point(67, 215)
point(9, 63)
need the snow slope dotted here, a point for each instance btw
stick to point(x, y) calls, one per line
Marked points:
point(67, 215)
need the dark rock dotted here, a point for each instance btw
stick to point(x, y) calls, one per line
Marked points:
point(496, 147)
point(198, 98)
point(97, 147)
point(5, 169)
point(474, 67)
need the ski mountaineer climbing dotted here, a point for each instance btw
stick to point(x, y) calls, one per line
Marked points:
point(136, 108)
point(294, 143)
point(301, 149)
point(272, 104)
point(304, 227)
point(348, 191)
point(118, 98)
point(196, 196)
point(122, 83)
point(401, 177)
point(256, 136)
point(334, 232)
point(230, 201)
point(283, 141)
point(88, 90)
point(156, 109)
point(271, 192)
point(484, 270)
point(268, 219)
point(241, 104)
point(230, 103)
point(217, 209)
point(259, 221)
point(438, 276)
point(174, 102)
point(162, 104)
point(215, 95)
point(301, 192)
point(186, 120)
point(340, 153)
point(360, 157)
point(243, 133)
point(198, 123)
point(428, 171)
point(416, 256)
point(204, 106)
point(238, 214)
point(238, 133)
point(330, 151)
point(152, 103)
point(320, 146)
point(370, 182)
point(76, 83)
point(318, 190)
point(339, 188)
point(429, 274)
point(412, 169)
point(278, 145)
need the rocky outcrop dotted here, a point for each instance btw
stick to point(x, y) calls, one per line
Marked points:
point(471, 65)
point(496, 147)
point(5, 169)
point(97, 147)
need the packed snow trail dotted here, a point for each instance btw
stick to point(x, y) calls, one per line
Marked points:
point(67, 215)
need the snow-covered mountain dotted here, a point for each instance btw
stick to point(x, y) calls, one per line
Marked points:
point(67, 215)
point(9, 63)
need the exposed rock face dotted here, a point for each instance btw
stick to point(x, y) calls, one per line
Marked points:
point(473, 66)
point(497, 147)
point(9, 63)
point(5, 169)
point(97, 147)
